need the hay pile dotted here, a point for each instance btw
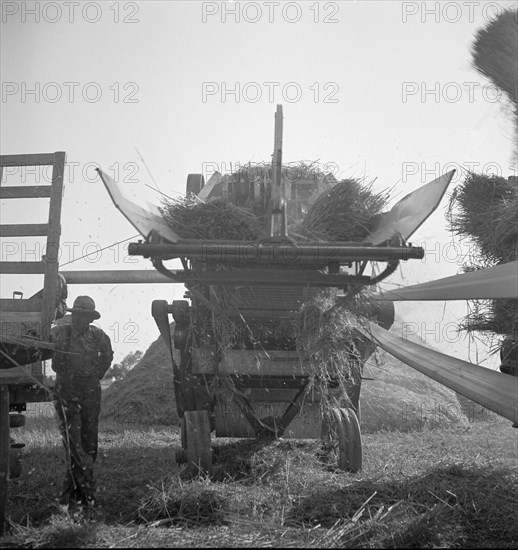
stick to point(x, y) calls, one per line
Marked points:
point(402, 399)
point(345, 213)
point(216, 219)
point(185, 505)
point(485, 209)
point(146, 394)
point(318, 207)
point(329, 338)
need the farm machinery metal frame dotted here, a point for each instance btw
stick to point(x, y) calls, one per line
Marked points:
point(270, 392)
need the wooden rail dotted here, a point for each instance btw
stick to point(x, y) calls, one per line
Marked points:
point(38, 313)
point(42, 311)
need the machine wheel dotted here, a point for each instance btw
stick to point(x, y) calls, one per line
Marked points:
point(183, 433)
point(195, 183)
point(196, 434)
point(181, 454)
point(341, 430)
point(180, 311)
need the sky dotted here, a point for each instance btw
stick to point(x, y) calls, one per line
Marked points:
point(152, 91)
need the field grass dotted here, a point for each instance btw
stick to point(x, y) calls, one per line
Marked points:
point(448, 487)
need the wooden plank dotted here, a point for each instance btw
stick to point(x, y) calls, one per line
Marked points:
point(11, 304)
point(19, 317)
point(38, 159)
point(264, 314)
point(271, 363)
point(23, 230)
point(270, 277)
point(4, 453)
point(25, 192)
point(48, 306)
point(115, 277)
point(275, 395)
point(16, 375)
point(29, 393)
point(18, 334)
point(230, 421)
point(34, 268)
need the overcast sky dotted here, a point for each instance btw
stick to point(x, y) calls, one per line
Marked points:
point(384, 90)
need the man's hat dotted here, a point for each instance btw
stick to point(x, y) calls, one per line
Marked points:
point(84, 304)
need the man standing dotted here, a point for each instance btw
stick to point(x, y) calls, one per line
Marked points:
point(83, 354)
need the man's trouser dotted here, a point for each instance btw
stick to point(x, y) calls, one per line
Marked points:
point(78, 405)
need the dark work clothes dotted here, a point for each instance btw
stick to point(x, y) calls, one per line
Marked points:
point(80, 362)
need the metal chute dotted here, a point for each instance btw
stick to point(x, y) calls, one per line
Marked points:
point(143, 215)
point(495, 391)
point(411, 211)
point(496, 282)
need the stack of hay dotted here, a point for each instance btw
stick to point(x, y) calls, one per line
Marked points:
point(329, 338)
point(485, 209)
point(146, 394)
point(347, 212)
point(215, 219)
point(344, 211)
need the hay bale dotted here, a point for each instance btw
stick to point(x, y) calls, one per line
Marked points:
point(146, 394)
point(492, 316)
point(345, 213)
point(485, 209)
point(317, 206)
point(215, 219)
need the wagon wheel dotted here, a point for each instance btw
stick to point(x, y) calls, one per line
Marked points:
point(341, 429)
point(196, 438)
